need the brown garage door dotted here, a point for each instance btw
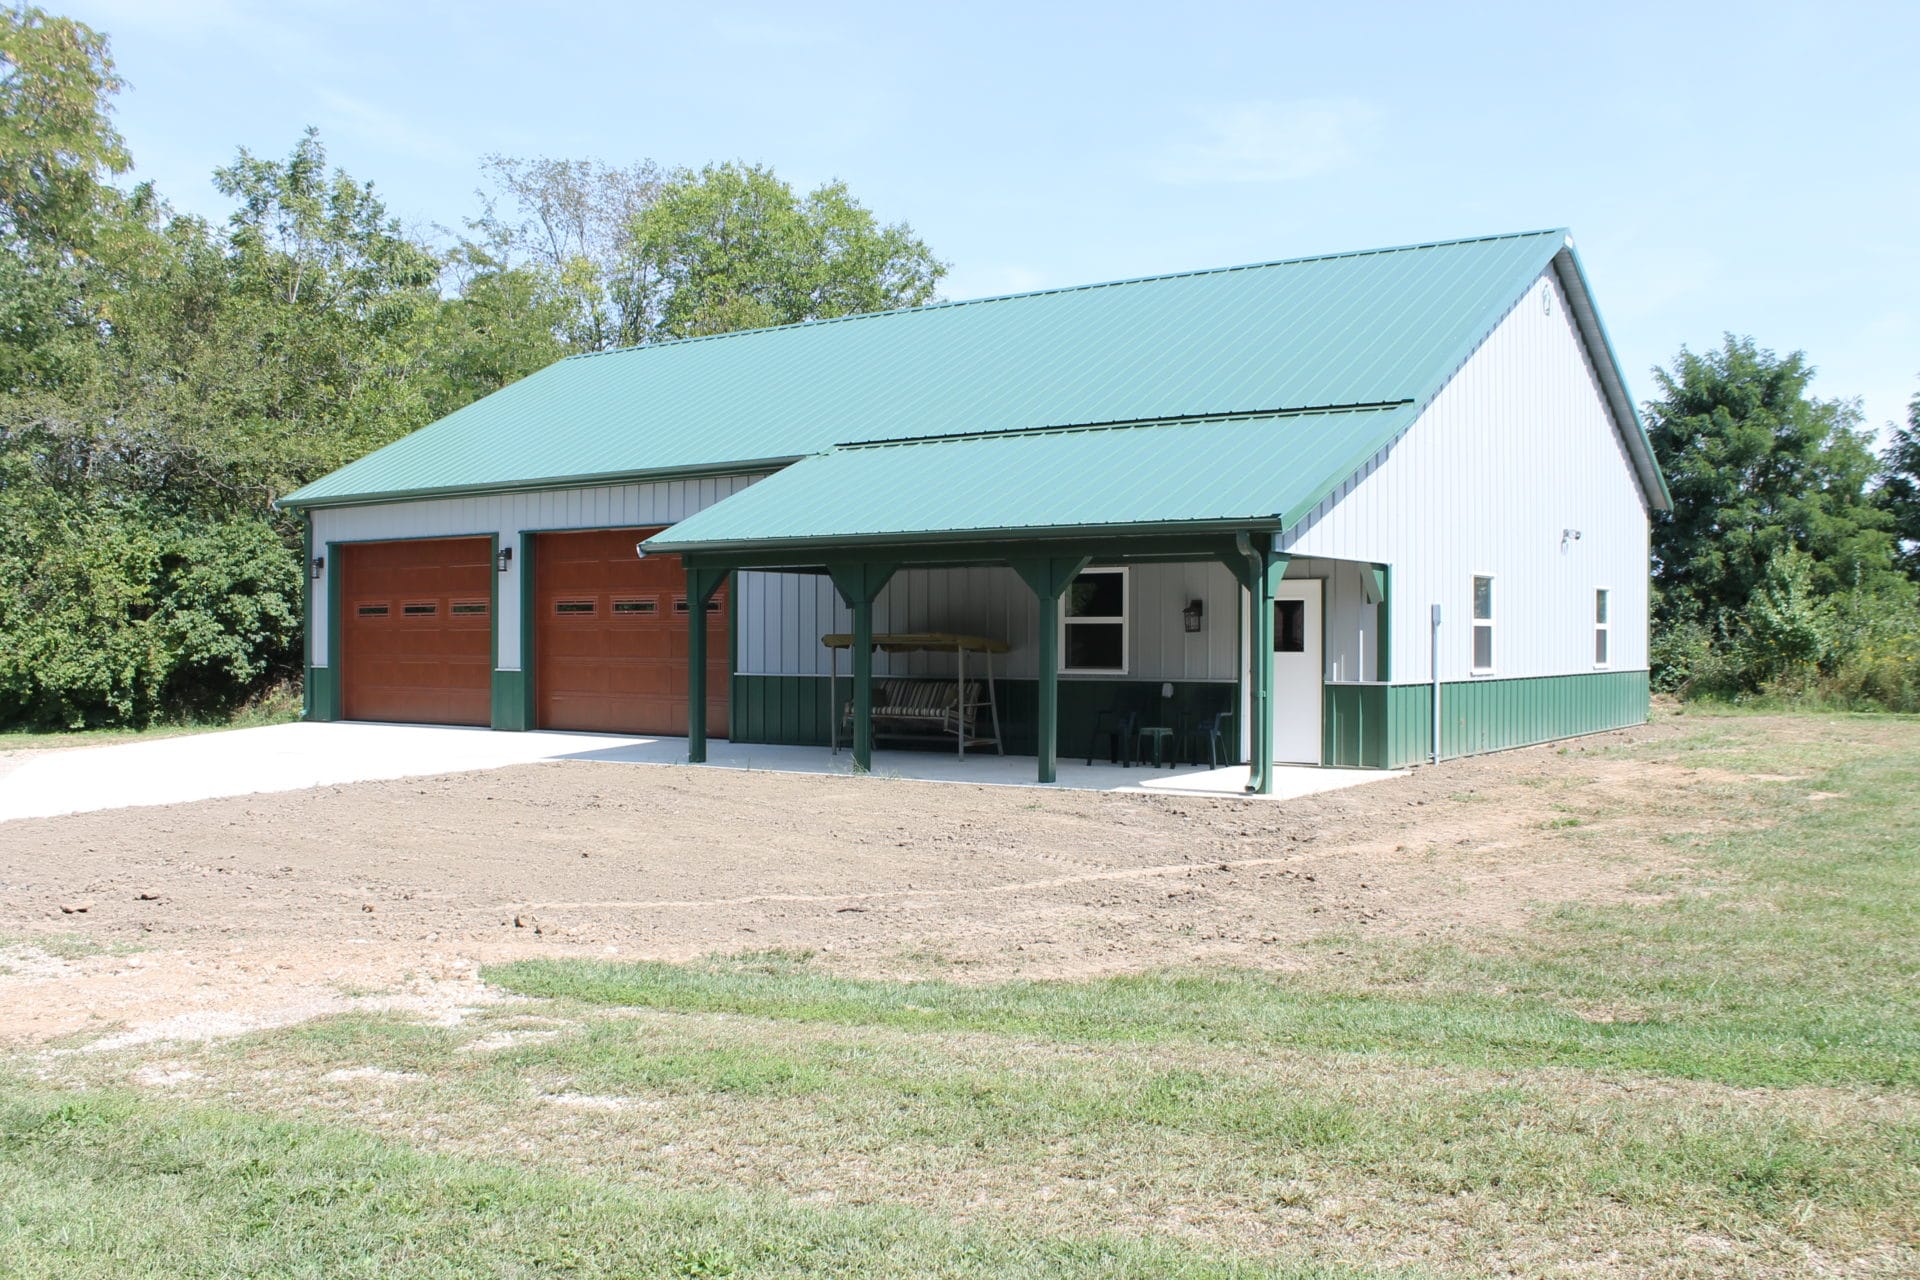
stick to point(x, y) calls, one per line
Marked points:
point(611, 637)
point(418, 631)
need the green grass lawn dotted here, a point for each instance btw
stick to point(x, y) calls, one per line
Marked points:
point(1720, 1077)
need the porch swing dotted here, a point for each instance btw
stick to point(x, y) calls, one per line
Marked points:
point(923, 710)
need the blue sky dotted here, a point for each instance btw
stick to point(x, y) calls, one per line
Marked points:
point(1744, 167)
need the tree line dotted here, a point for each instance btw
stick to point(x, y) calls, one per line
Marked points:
point(164, 377)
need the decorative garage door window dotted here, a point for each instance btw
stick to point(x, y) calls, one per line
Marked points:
point(1093, 623)
point(642, 608)
point(713, 603)
point(420, 609)
point(371, 610)
point(574, 607)
point(468, 609)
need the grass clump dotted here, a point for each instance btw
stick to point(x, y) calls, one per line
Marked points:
point(98, 1185)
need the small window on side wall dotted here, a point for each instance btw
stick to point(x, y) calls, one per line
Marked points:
point(1093, 623)
point(1482, 623)
point(1602, 627)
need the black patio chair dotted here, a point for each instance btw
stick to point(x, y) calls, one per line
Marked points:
point(1120, 729)
point(1208, 732)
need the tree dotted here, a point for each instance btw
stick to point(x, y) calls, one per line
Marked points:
point(569, 222)
point(1899, 492)
point(1759, 468)
point(57, 148)
point(56, 144)
point(731, 246)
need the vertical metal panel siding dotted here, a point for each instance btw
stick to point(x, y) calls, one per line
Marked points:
point(783, 616)
point(1516, 448)
point(1493, 715)
point(600, 507)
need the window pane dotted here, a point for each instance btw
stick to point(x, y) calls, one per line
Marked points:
point(1289, 626)
point(1483, 599)
point(1096, 595)
point(1094, 646)
point(1482, 648)
point(1600, 606)
point(1600, 646)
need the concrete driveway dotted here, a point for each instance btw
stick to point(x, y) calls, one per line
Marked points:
point(288, 757)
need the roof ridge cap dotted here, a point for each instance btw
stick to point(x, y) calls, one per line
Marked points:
point(954, 303)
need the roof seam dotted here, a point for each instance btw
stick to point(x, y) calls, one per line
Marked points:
point(1126, 424)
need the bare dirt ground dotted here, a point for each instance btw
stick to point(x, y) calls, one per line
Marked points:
point(227, 915)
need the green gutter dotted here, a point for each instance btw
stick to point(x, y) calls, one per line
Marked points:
point(968, 537)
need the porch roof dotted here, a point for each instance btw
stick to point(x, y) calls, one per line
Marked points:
point(1259, 471)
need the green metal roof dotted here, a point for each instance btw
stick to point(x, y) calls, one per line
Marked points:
point(1259, 471)
point(1379, 327)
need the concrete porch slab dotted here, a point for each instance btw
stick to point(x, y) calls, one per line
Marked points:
point(290, 757)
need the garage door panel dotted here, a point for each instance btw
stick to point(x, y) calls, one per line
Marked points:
point(610, 648)
point(409, 654)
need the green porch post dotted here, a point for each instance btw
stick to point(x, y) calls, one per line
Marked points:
point(1382, 578)
point(1049, 578)
point(859, 585)
point(701, 584)
point(1260, 568)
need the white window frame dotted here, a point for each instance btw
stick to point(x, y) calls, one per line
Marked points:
point(1600, 627)
point(1125, 620)
point(1475, 622)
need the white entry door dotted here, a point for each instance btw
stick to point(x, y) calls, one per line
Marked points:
point(1299, 668)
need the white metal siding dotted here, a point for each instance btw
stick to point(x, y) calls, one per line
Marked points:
point(599, 507)
point(1518, 447)
point(783, 615)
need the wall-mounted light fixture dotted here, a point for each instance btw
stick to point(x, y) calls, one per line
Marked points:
point(1192, 614)
point(504, 559)
point(319, 567)
point(1568, 535)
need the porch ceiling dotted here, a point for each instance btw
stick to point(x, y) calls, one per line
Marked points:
point(1135, 480)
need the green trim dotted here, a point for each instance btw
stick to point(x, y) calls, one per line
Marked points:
point(1619, 396)
point(1388, 726)
point(529, 672)
point(1383, 627)
point(332, 707)
point(509, 687)
point(306, 617)
point(1189, 537)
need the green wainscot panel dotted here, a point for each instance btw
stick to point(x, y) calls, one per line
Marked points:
point(793, 709)
point(512, 700)
point(323, 687)
point(1391, 726)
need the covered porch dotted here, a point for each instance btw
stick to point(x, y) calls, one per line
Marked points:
point(1045, 513)
point(1180, 684)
